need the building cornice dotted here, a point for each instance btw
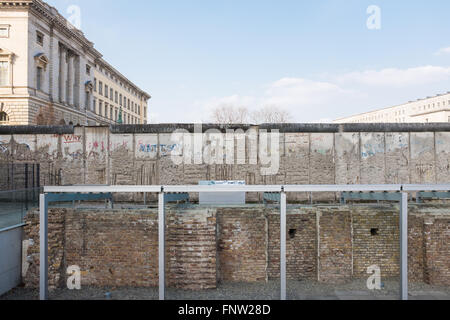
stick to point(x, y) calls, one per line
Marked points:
point(429, 112)
point(14, 4)
point(105, 65)
point(44, 11)
point(57, 21)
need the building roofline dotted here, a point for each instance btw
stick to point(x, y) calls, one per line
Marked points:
point(108, 66)
point(45, 11)
point(393, 107)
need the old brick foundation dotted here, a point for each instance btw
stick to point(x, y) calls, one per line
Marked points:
point(206, 246)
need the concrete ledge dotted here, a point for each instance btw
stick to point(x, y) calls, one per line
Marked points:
point(283, 128)
point(171, 127)
point(288, 127)
point(360, 127)
point(36, 129)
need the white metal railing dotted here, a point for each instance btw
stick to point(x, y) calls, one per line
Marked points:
point(282, 189)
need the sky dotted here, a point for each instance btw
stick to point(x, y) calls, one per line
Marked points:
point(320, 60)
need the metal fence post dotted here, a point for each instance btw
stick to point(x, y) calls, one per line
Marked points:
point(404, 247)
point(283, 235)
point(161, 245)
point(43, 234)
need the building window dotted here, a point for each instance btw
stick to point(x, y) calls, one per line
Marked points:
point(87, 104)
point(4, 31)
point(120, 99)
point(95, 84)
point(100, 107)
point(111, 94)
point(40, 38)
point(3, 117)
point(100, 87)
point(116, 97)
point(4, 73)
point(106, 91)
point(39, 78)
point(88, 70)
point(94, 105)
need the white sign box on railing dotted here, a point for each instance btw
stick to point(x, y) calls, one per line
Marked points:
point(218, 198)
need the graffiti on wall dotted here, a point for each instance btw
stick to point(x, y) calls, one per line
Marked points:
point(164, 149)
point(371, 150)
point(71, 138)
point(3, 147)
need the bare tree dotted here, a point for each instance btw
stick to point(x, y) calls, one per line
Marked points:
point(271, 114)
point(228, 114)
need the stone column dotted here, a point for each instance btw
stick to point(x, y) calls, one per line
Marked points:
point(62, 74)
point(69, 93)
point(76, 81)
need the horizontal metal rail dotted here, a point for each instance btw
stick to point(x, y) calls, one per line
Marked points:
point(425, 187)
point(247, 188)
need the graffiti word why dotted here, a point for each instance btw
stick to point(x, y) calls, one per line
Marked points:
point(71, 138)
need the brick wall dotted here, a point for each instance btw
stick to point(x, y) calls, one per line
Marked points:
point(242, 245)
point(335, 246)
point(206, 246)
point(301, 245)
point(437, 252)
point(191, 249)
point(376, 240)
point(120, 248)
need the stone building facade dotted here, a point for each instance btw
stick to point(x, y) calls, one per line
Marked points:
point(48, 72)
point(429, 110)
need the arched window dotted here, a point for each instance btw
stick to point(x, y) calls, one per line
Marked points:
point(3, 117)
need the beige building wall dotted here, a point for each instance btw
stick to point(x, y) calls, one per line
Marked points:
point(431, 109)
point(52, 68)
point(113, 94)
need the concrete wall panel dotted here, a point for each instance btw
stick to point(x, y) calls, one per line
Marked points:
point(423, 168)
point(443, 157)
point(348, 168)
point(397, 158)
point(373, 162)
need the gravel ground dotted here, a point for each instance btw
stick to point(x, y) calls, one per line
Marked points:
point(297, 290)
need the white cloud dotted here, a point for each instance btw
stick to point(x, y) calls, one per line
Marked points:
point(334, 96)
point(291, 92)
point(443, 51)
point(396, 77)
